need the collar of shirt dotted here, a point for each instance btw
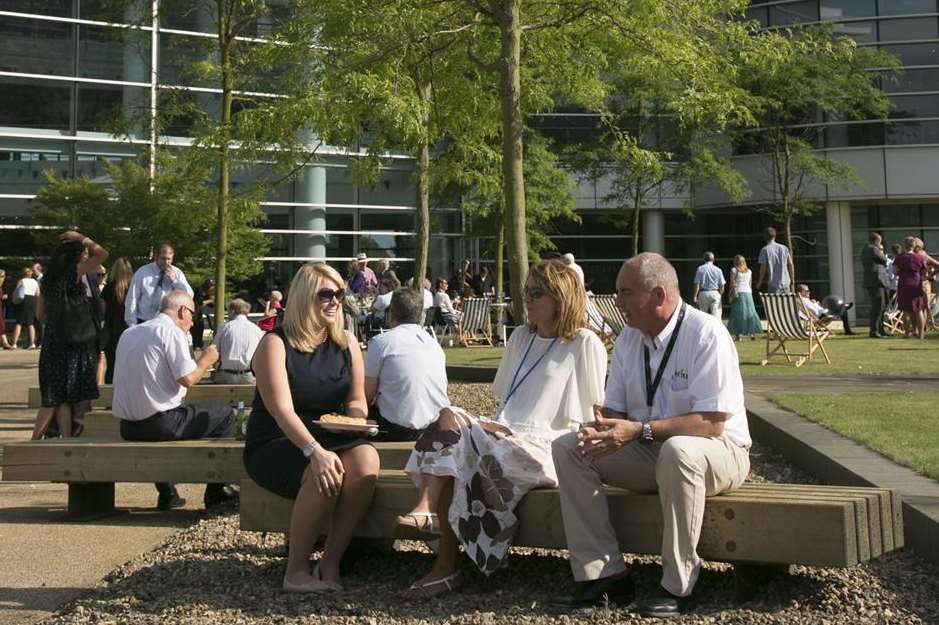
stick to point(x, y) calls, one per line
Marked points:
point(662, 337)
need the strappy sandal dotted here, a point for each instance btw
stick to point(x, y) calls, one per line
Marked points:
point(434, 588)
point(426, 522)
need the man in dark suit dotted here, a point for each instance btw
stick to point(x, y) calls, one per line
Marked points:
point(874, 264)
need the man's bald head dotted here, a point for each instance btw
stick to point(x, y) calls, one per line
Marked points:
point(653, 270)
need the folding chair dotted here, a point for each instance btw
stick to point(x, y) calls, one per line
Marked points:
point(788, 320)
point(475, 326)
point(429, 315)
point(596, 323)
point(893, 317)
point(610, 314)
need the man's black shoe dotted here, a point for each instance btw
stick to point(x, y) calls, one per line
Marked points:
point(660, 604)
point(217, 494)
point(876, 336)
point(615, 588)
point(169, 502)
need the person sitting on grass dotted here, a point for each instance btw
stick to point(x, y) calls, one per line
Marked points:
point(305, 368)
point(405, 372)
point(236, 342)
point(549, 378)
point(153, 371)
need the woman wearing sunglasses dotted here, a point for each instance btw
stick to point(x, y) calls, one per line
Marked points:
point(308, 367)
point(472, 472)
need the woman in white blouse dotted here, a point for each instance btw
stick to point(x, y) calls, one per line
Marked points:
point(473, 472)
point(744, 319)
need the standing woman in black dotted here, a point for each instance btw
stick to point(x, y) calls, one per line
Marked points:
point(114, 325)
point(66, 365)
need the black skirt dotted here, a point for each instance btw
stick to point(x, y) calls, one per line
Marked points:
point(26, 311)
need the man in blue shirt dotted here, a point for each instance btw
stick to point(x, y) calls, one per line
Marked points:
point(776, 269)
point(708, 286)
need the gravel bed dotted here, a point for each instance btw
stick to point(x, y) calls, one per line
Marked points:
point(213, 573)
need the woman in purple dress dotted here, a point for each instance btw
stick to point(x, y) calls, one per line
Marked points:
point(910, 268)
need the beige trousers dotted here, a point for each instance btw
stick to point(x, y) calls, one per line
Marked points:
point(683, 470)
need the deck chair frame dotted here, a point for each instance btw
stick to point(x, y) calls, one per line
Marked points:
point(787, 319)
point(893, 317)
point(611, 315)
point(475, 327)
point(598, 324)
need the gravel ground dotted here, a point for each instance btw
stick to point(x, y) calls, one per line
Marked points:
point(214, 573)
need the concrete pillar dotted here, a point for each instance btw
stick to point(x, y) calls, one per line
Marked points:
point(311, 189)
point(840, 252)
point(653, 231)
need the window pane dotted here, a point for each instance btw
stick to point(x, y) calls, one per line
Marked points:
point(915, 53)
point(837, 9)
point(861, 32)
point(907, 7)
point(177, 52)
point(759, 15)
point(34, 104)
point(36, 47)
point(101, 108)
point(906, 133)
point(907, 29)
point(58, 8)
point(913, 80)
point(113, 54)
point(21, 171)
point(914, 106)
point(793, 13)
point(106, 11)
point(853, 135)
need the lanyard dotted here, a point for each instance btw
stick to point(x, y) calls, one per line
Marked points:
point(513, 386)
point(653, 385)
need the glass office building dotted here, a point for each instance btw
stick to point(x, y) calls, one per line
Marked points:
point(67, 67)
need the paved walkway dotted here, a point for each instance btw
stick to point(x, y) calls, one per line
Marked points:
point(767, 385)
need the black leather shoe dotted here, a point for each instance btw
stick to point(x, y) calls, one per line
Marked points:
point(615, 588)
point(876, 336)
point(170, 502)
point(217, 494)
point(660, 604)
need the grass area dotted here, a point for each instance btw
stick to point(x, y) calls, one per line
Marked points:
point(901, 426)
point(474, 356)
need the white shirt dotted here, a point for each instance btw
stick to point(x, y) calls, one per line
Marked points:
point(30, 286)
point(443, 302)
point(891, 273)
point(559, 393)
point(381, 304)
point(428, 299)
point(151, 358)
point(813, 307)
point(236, 342)
point(702, 374)
point(411, 370)
point(145, 292)
point(742, 280)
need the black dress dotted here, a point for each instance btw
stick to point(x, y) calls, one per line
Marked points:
point(66, 374)
point(114, 326)
point(319, 383)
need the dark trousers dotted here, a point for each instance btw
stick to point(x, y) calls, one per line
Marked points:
point(389, 432)
point(182, 423)
point(878, 298)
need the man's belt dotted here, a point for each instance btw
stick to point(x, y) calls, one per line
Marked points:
point(236, 371)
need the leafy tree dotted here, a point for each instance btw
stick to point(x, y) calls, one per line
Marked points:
point(798, 78)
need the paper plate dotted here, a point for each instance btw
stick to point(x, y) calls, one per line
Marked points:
point(370, 428)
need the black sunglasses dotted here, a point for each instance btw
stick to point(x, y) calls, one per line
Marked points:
point(326, 295)
point(535, 293)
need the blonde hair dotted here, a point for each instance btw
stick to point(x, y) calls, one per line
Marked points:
point(741, 263)
point(302, 323)
point(121, 274)
point(918, 244)
point(909, 242)
point(562, 284)
point(276, 296)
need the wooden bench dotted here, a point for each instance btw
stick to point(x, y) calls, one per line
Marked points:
point(102, 424)
point(200, 393)
point(91, 467)
point(826, 526)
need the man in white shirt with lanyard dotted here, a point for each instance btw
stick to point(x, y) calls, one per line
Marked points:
point(673, 422)
point(150, 284)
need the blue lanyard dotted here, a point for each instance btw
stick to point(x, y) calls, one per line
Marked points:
point(513, 386)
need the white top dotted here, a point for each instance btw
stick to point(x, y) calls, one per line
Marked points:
point(891, 273)
point(560, 392)
point(411, 370)
point(146, 292)
point(151, 358)
point(381, 304)
point(814, 307)
point(30, 286)
point(236, 342)
point(702, 374)
point(428, 299)
point(443, 302)
point(742, 280)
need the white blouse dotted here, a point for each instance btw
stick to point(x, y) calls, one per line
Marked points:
point(566, 379)
point(742, 280)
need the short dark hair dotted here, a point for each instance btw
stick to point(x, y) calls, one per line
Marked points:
point(874, 236)
point(770, 233)
point(407, 305)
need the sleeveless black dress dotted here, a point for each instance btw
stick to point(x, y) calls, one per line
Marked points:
point(319, 383)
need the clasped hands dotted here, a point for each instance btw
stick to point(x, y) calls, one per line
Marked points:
point(606, 434)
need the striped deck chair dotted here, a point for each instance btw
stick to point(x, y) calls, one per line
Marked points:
point(893, 317)
point(475, 326)
point(596, 323)
point(788, 320)
point(612, 315)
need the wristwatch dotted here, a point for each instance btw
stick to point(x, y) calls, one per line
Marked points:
point(646, 436)
point(308, 449)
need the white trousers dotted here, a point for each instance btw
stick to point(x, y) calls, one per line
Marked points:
point(683, 470)
point(710, 302)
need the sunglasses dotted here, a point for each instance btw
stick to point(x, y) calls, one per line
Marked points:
point(534, 292)
point(191, 311)
point(326, 295)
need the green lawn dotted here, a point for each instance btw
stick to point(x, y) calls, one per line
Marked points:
point(902, 426)
point(474, 356)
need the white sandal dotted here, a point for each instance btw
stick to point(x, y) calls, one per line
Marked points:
point(426, 522)
point(450, 583)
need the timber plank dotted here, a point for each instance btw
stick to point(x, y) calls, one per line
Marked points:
point(200, 393)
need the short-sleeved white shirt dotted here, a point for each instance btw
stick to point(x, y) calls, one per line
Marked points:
point(30, 286)
point(236, 342)
point(151, 358)
point(559, 393)
point(381, 304)
point(443, 302)
point(702, 374)
point(411, 370)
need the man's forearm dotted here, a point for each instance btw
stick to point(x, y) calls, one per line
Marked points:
point(707, 425)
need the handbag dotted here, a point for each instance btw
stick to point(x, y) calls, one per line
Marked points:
point(80, 324)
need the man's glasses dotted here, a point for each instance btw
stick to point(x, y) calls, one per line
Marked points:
point(534, 293)
point(191, 311)
point(326, 295)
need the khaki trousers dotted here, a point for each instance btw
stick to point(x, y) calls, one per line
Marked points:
point(683, 470)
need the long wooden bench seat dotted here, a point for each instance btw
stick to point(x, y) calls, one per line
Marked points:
point(200, 393)
point(760, 523)
point(102, 424)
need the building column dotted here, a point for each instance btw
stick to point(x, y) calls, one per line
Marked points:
point(311, 189)
point(840, 252)
point(653, 231)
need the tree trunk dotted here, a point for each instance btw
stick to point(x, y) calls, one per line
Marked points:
point(225, 41)
point(500, 257)
point(513, 181)
point(423, 193)
point(637, 210)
